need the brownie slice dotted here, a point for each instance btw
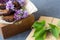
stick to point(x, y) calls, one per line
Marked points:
point(17, 5)
point(2, 6)
point(9, 18)
point(6, 12)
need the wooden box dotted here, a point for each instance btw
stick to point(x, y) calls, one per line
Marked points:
point(17, 27)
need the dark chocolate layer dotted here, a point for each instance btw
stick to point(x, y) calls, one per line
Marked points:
point(9, 18)
point(2, 6)
point(6, 12)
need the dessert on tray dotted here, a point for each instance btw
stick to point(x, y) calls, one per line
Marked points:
point(13, 10)
point(18, 9)
point(15, 17)
point(9, 18)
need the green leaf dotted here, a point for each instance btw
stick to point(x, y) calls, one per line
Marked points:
point(54, 30)
point(42, 37)
point(39, 33)
point(39, 30)
point(38, 24)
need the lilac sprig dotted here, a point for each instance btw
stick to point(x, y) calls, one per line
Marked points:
point(21, 2)
point(20, 14)
point(9, 5)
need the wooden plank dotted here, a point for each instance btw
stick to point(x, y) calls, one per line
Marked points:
point(30, 36)
point(56, 22)
point(48, 20)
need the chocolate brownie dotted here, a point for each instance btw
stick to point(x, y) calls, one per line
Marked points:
point(9, 18)
point(2, 6)
point(3, 1)
point(17, 5)
point(6, 12)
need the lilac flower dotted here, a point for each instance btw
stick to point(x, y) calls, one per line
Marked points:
point(20, 14)
point(25, 14)
point(17, 17)
point(22, 2)
point(9, 5)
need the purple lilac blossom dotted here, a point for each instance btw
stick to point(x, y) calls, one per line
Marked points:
point(22, 2)
point(20, 14)
point(9, 5)
point(25, 14)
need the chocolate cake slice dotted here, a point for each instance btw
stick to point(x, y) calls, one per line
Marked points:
point(2, 12)
point(6, 12)
point(9, 18)
point(17, 5)
point(8, 15)
point(2, 6)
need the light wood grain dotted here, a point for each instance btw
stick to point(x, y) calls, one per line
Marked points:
point(55, 21)
point(48, 20)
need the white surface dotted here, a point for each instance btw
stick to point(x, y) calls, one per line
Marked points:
point(31, 8)
point(3, 21)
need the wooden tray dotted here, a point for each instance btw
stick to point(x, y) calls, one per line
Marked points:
point(48, 20)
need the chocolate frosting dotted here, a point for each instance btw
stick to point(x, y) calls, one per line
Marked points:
point(3, 1)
